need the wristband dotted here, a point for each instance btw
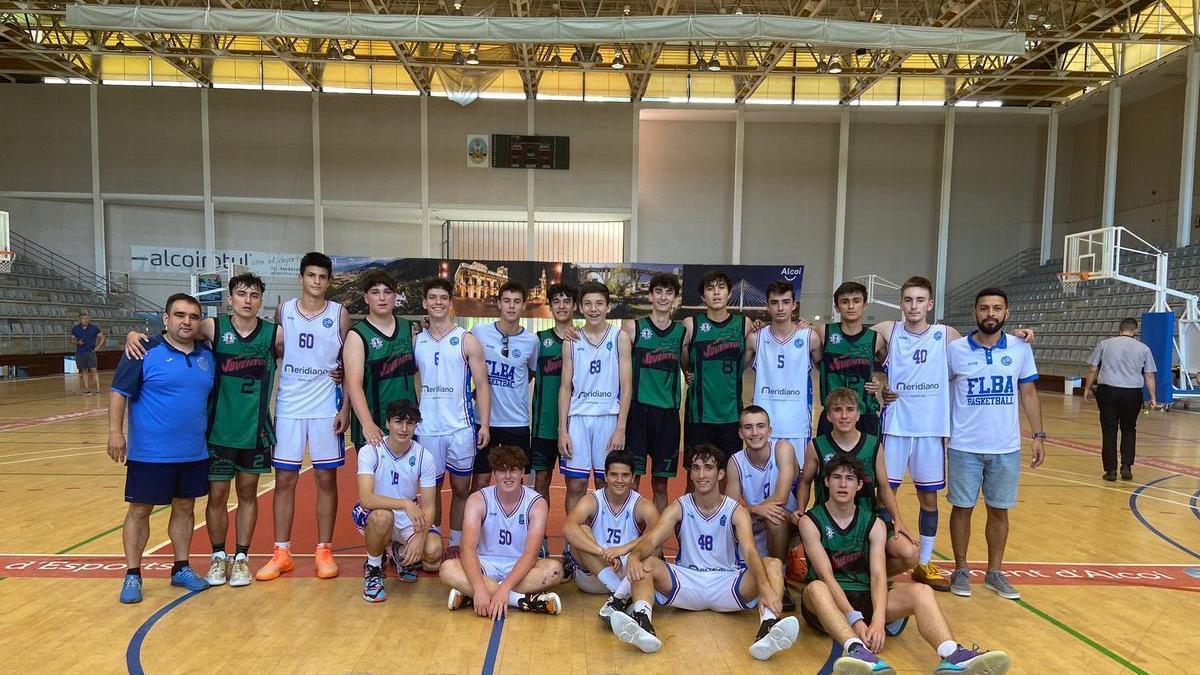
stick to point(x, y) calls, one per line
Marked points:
point(1039, 434)
point(854, 617)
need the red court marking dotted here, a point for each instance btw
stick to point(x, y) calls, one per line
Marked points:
point(32, 422)
point(1164, 464)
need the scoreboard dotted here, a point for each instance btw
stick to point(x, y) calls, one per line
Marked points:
point(531, 152)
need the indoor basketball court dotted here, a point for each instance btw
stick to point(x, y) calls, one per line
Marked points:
point(1044, 148)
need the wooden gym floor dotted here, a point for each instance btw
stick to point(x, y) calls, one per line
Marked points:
point(1109, 574)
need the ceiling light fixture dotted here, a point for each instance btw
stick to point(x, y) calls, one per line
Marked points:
point(877, 16)
point(835, 64)
point(556, 60)
point(348, 54)
point(618, 62)
point(473, 57)
point(714, 65)
point(625, 10)
point(577, 56)
point(458, 58)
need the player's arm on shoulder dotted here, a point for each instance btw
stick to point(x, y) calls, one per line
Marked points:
point(629, 327)
point(751, 348)
point(816, 345)
point(574, 530)
point(952, 334)
point(660, 532)
point(208, 328)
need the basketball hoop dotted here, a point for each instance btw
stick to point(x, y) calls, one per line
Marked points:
point(1070, 281)
point(6, 261)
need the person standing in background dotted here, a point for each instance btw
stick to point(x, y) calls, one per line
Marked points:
point(1121, 365)
point(87, 336)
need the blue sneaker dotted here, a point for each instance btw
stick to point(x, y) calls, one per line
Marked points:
point(861, 661)
point(131, 589)
point(973, 662)
point(189, 580)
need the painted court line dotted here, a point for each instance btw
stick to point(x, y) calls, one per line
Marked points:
point(1164, 464)
point(1137, 513)
point(489, 660)
point(52, 419)
point(54, 457)
point(1113, 489)
point(133, 653)
point(1091, 477)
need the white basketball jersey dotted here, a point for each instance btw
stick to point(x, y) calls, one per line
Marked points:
point(758, 482)
point(399, 477)
point(615, 528)
point(596, 378)
point(311, 348)
point(918, 371)
point(509, 360)
point(445, 382)
point(783, 382)
point(708, 543)
point(503, 534)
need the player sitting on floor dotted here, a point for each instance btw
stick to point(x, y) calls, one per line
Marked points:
point(503, 526)
point(602, 531)
point(714, 534)
point(397, 487)
point(847, 595)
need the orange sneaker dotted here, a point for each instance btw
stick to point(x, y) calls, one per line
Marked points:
point(323, 560)
point(281, 561)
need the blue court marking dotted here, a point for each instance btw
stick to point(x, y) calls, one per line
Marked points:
point(489, 661)
point(133, 654)
point(835, 651)
point(1133, 506)
point(1193, 503)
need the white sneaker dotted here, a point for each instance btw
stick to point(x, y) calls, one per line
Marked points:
point(775, 636)
point(240, 574)
point(218, 571)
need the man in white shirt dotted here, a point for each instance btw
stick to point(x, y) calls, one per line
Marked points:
point(989, 371)
point(1121, 364)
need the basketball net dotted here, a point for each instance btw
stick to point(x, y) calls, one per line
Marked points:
point(6, 261)
point(1070, 281)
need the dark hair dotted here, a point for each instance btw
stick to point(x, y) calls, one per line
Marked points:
point(711, 277)
point(438, 282)
point(850, 288)
point(376, 278)
point(917, 282)
point(780, 287)
point(562, 289)
point(249, 280)
point(506, 457)
point(839, 461)
point(316, 259)
point(999, 292)
point(404, 409)
point(180, 297)
point(618, 457)
point(593, 287)
point(755, 410)
point(707, 451)
point(665, 280)
point(1128, 323)
point(513, 287)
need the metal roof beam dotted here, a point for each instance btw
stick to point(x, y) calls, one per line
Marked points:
point(748, 85)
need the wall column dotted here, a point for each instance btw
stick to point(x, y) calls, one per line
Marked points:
point(318, 208)
point(1048, 187)
point(1108, 209)
point(943, 236)
point(839, 219)
point(210, 219)
point(1187, 159)
point(739, 149)
point(98, 233)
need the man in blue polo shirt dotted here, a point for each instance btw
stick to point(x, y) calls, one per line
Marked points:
point(166, 459)
point(990, 371)
point(86, 336)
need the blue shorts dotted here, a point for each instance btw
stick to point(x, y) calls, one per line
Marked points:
point(160, 482)
point(997, 474)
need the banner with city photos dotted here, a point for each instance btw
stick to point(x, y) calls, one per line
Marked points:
point(477, 282)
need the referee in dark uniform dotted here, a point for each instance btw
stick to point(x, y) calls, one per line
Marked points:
point(1120, 365)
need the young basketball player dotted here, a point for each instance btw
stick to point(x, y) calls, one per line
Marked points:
point(547, 380)
point(378, 359)
point(847, 595)
point(593, 400)
point(499, 565)
point(397, 488)
point(782, 355)
point(511, 354)
point(714, 360)
point(603, 530)
point(761, 476)
point(716, 548)
point(849, 353)
point(654, 411)
point(449, 360)
point(845, 440)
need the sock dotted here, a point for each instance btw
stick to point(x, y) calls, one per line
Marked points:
point(624, 589)
point(285, 545)
point(375, 560)
point(243, 551)
point(926, 550)
point(218, 553)
point(514, 599)
point(765, 614)
point(849, 644)
point(324, 544)
point(643, 606)
point(133, 571)
point(178, 566)
point(947, 648)
point(240, 555)
point(927, 524)
point(609, 578)
point(456, 537)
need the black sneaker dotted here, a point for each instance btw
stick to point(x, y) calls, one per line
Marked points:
point(614, 604)
point(637, 630)
point(540, 603)
point(789, 605)
point(568, 565)
point(1127, 473)
point(1110, 475)
point(774, 636)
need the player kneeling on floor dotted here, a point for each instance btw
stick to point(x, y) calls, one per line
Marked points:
point(503, 527)
point(604, 529)
point(397, 487)
point(716, 549)
point(847, 595)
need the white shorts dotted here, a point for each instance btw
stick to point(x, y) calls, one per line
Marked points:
point(326, 449)
point(496, 568)
point(697, 590)
point(402, 528)
point(590, 435)
point(590, 583)
point(454, 451)
point(798, 446)
point(922, 456)
point(759, 527)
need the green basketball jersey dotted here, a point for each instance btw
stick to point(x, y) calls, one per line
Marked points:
point(848, 361)
point(656, 363)
point(715, 396)
point(865, 451)
point(545, 385)
point(239, 414)
point(389, 372)
point(849, 549)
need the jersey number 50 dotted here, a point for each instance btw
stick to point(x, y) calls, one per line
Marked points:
point(505, 538)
